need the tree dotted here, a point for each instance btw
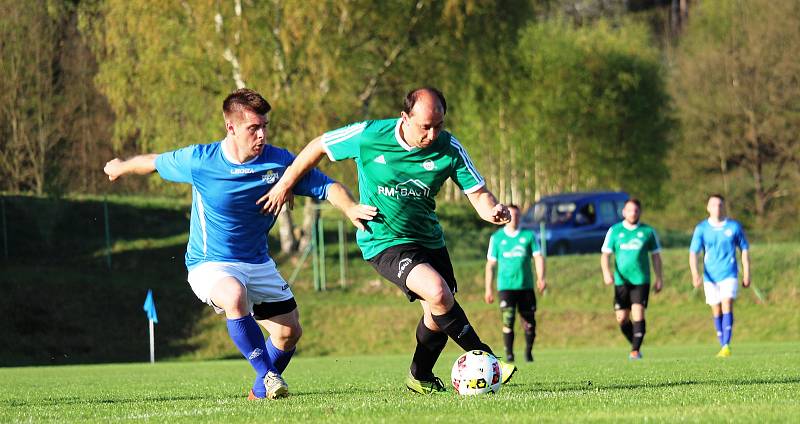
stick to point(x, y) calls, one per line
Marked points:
point(738, 94)
point(598, 111)
point(31, 92)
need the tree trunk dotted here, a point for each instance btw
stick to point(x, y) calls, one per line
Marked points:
point(310, 217)
point(286, 232)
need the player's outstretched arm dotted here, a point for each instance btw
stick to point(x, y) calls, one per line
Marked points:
point(141, 165)
point(340, 197)
point(488, 208)
point(280, 193)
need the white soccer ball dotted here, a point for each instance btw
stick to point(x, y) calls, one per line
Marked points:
point(476, 372)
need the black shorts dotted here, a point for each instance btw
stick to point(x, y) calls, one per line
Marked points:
point(521, 300)
point(395, 263)
point(626, 295)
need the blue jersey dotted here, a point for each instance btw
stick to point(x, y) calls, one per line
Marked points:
point(719, 242)
point(226, 224)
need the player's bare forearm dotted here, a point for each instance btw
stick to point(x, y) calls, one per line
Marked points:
point(140, 165)
point(340, 197)
point(657, 269)
point(488, 293)
point(606, 267)
point(696, 281)
point(746, 267)
point(280, 193)
point(488, 208)
point(541, 270)
point(308, 158)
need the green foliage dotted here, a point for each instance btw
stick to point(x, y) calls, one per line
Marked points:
point(681, 383)
point(737, 94)
point(597, 107)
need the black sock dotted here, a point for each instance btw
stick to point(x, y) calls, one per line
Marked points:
point(456, 325)
point(530, 336)
point(627, 330)
point(508, 342)
point(638, 335)
point(429, 345)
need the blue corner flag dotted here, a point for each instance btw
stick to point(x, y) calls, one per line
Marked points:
point(150, 307)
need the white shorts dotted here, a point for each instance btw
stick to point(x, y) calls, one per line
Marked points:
point(262, 281)
point(725, 289)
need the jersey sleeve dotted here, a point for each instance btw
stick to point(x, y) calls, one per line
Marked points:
point(314, 184)
point(345, 142)
point(608, 245)
point(176, 165)
point(491, 254)
point(741, 240)
point(465, 175)
point(696, 245)
point(654, 245)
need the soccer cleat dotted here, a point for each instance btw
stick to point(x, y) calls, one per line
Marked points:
point(724, 352)
point(276, 386)
point(635, 355)
point(529, 357)
point(509, 357)
point(507, 371)
point(425, 387)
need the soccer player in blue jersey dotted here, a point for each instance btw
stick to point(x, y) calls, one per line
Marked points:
point(718, 237)
point(227, 258)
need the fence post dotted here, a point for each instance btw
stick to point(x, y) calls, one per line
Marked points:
point(543, 238)
point(108, 233)
point(315, 256)
point(342, 256)
point(321, 240)
point(5, 231)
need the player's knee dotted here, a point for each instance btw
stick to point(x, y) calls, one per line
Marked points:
point(290, 334)
point(507, 330)
point(621, 318)
point(439, 295)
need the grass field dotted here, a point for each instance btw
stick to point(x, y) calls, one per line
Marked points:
point(759, 383)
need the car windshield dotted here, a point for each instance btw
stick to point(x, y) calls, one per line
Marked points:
point(553, 213)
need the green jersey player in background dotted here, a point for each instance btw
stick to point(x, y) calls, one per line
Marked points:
point(631, 242)
point(402, 164)
point(510, 251)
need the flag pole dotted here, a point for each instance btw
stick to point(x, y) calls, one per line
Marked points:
point(152, 344)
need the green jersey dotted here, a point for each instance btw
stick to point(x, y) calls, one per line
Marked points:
point(631, 246)
point(513, 252)
point(401, 181)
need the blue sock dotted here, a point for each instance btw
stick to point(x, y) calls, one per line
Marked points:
point(727, 328)
point(249, 339)
point(279, 358)
point(718, 326)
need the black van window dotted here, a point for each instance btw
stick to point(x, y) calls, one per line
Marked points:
point(586, 215)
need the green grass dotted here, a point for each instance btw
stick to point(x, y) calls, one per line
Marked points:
point(676, 383)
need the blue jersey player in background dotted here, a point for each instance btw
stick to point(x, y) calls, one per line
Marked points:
point(718, 237)
point(227, 258)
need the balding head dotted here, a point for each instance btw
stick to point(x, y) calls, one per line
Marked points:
point(425, 99)
point(423, 116)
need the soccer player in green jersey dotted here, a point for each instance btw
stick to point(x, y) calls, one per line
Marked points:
point(631, 242)
point(402, 164)
point(510, 251)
